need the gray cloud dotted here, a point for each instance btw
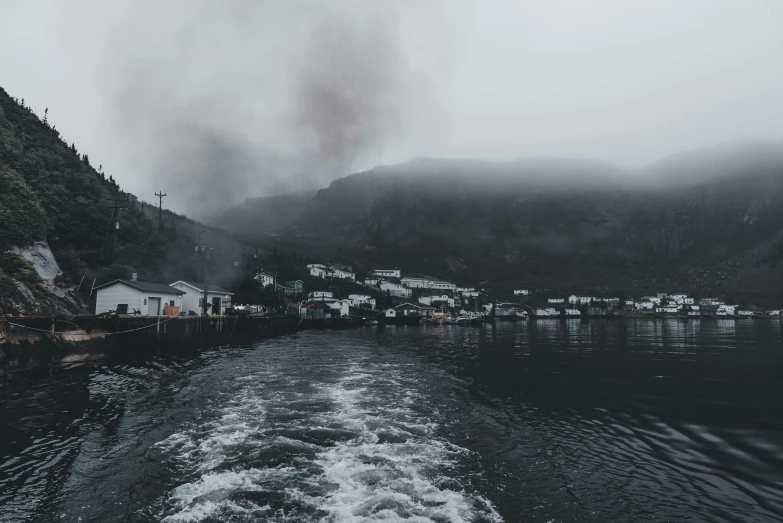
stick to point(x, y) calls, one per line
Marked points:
point(258, 97)
point(214, 101)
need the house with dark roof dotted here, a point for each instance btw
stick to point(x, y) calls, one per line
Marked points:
point(218, 298)
point(138, 297)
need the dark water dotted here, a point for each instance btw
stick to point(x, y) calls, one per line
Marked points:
point(548, 422)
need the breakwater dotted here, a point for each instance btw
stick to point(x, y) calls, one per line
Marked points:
point(29, 341)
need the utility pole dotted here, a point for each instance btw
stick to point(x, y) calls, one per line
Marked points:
point(206, 261)
point(160, 196)
point(119, 203)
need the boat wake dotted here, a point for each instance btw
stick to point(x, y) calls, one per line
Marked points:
point(357, 447)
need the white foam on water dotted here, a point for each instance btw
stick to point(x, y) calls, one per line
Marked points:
point(386, 461)
point(382, 481)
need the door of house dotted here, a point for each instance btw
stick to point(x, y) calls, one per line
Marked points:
point(216, 305)
point(153, 306)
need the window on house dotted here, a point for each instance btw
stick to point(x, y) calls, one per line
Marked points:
point(171, 303)
point(145, 301)
point(201, 302)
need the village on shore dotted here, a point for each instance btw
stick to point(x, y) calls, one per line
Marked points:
point(396, 298)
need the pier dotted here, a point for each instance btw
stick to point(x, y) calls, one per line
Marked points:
point(37, 339)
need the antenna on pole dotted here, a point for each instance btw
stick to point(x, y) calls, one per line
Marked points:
point(160, 196)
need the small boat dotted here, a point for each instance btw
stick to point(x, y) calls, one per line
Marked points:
point(438, 317)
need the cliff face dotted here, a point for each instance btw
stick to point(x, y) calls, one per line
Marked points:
point(37, 286)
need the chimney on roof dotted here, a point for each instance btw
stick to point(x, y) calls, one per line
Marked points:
point(134, 277)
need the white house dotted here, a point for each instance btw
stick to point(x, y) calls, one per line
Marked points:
point(425, 300)
point(266, 278)
point(341, 307)
point(321, 294)
point(774, 312)
point(470, 294)
point(547, 312)
point(416, 283)
point(644, 305)
point(387, 273)
point(655, 299)
point(582, 300)
point(130, 296)
point(372, 282)
point(395, 289)
point(745, 313)
point(343, 274)
point(573, 312)
point(363, 301)
point(443, 285)
point(390, 312)
point(694, 313)
point(319, 272)
point(441, 301)
point(728, 310)
point(465, 289)
point(555, 300)
point(667, 309)
point(681, 299)
point(521, 292)
point(218, 297)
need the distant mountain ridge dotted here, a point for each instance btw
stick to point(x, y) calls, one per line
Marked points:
point(704, 221)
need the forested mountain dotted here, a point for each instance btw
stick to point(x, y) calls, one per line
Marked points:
point(264, 215)
point(708, 221)
point(50, 192)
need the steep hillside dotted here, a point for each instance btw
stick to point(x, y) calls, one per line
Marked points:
point(52, 197)
point(264, 215)
point(709, 221)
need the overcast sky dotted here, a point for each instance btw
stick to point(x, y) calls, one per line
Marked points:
point(216, 101)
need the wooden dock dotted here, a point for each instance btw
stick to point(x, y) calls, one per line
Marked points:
point(35, 339)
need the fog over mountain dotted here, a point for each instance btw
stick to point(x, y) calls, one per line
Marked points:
point(216, 102)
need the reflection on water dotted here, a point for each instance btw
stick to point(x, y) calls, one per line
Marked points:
point(644, 419)
point(604, 420)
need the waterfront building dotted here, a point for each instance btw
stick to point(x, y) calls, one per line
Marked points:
point(138, 297)
point(218, 298)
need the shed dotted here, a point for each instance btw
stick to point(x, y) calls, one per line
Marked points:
point(218, 298)
point(150, 299)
